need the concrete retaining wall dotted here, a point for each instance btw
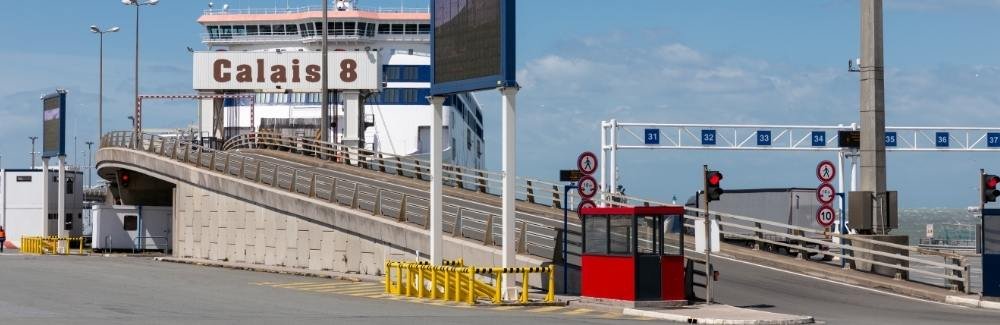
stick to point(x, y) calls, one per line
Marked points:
point(225, 218)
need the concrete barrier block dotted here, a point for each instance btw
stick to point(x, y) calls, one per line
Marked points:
point(281, 246)
point(369, 265)
point(326, 250)
point(292, 232)
point(315, 238)
point(270, 256)
point(315, 260)
point(281, 221)
point(302, 250)
point(339, 260)
point(291, 257)
point(353, 254)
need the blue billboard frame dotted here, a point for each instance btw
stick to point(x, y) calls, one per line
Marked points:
point(61, 94)
point(507, 75)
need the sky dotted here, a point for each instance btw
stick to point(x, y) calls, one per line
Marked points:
point(581, 62)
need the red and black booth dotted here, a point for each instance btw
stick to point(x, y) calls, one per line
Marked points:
point(633, 253)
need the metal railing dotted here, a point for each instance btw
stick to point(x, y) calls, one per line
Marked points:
point(454, 281)
point(459, 220)
point(304, 9)
point(465, 222)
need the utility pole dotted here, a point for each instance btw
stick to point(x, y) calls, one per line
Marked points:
point(873, 110)
point(324, 127)
point(33, 150)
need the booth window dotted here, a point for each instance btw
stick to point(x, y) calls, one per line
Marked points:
point(621, 235)
point(131, 223)
point(24, 178)
point(597, 242)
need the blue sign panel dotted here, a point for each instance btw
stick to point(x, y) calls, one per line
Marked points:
point(941, 139)
point(472, 45)
point(993, 140)
point(763, 137)
point(708, 137)
point(652, 136)
point(819, 139)
point(890, 139)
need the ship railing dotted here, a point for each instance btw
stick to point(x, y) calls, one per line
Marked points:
point(296, 10)
point(532, 236)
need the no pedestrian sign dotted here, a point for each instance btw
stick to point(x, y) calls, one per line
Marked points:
point(825, 171)
point(587, 163)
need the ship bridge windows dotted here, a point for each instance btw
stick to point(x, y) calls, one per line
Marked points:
point(401, 29)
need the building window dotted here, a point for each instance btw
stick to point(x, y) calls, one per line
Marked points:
point(53, 216)
point(68, 223)
point(411, 28)
point(397, 28)
point(23, 179)
point(384, 28)
point(424, 29)
point(131, 223)
point(69, 186)
point(252, 30)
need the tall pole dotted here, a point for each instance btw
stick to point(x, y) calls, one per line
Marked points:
point(873, 109)
point(708, 238)
point(135, 99)
point(982, 213)
point(325, 95)
point(509, 120)
point(100, 89)
point(33, 150)
point(46, 208)
point(61, 204)
point(436, 243)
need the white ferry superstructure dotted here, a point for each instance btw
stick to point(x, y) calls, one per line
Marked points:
point(399, 114)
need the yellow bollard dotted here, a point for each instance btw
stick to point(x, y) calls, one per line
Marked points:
point(388, 279)
point(551, 296)
point(399, 279)
point(471, 298)
point(524, 286)
point(497, 281)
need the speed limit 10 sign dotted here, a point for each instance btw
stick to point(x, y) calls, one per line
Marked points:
point(825, 216)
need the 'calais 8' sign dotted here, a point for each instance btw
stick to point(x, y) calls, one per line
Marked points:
point(295, 71)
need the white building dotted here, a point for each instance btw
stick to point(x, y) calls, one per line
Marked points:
point(21, 203)
point(124, 227)
point(399, 113)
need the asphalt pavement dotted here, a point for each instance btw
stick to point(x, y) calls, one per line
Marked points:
point(132, 290)
point(746, 285)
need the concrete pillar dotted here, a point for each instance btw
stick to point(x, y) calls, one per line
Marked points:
point(45, 197)
point(509, 132)
point(437, 150)
point(354, 119)
point(872, 106)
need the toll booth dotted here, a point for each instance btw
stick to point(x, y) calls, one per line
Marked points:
point(633, 253)
point(991, 252)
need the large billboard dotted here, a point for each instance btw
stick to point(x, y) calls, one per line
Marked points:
point(54, 124)
point(285, 71)
point(472, 45)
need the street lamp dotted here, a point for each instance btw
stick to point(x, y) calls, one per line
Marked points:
point(33, 150)
point(90, 164)
point(100, 87)
point(137, 4)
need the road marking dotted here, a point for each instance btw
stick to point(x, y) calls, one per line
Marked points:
point(318, 286)
point(506, 308)
point(840, 283)
point(577, 311)
point(545, 309)
point(292, 285)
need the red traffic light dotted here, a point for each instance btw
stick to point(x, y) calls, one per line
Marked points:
point(124, 177)
point(714, 178)
point(992, 181)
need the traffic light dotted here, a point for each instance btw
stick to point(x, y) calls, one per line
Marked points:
point(123, 178)
point(990, 192)
point(713, 181)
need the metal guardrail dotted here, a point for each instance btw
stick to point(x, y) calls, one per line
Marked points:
point(454, 281)
point(459, 221)
point(40, 245)
point(956, 276)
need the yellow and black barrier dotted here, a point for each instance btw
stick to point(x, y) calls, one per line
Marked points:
point(50, 245)
point(453, 281)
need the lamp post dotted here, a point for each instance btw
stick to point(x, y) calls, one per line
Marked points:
point(137, 4)
point(100, 87)
point(33, 150)
point(90, 163)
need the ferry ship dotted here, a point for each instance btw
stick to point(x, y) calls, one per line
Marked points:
point(398, 115)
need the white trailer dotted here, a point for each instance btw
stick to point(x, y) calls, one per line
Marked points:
point(126, 227)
